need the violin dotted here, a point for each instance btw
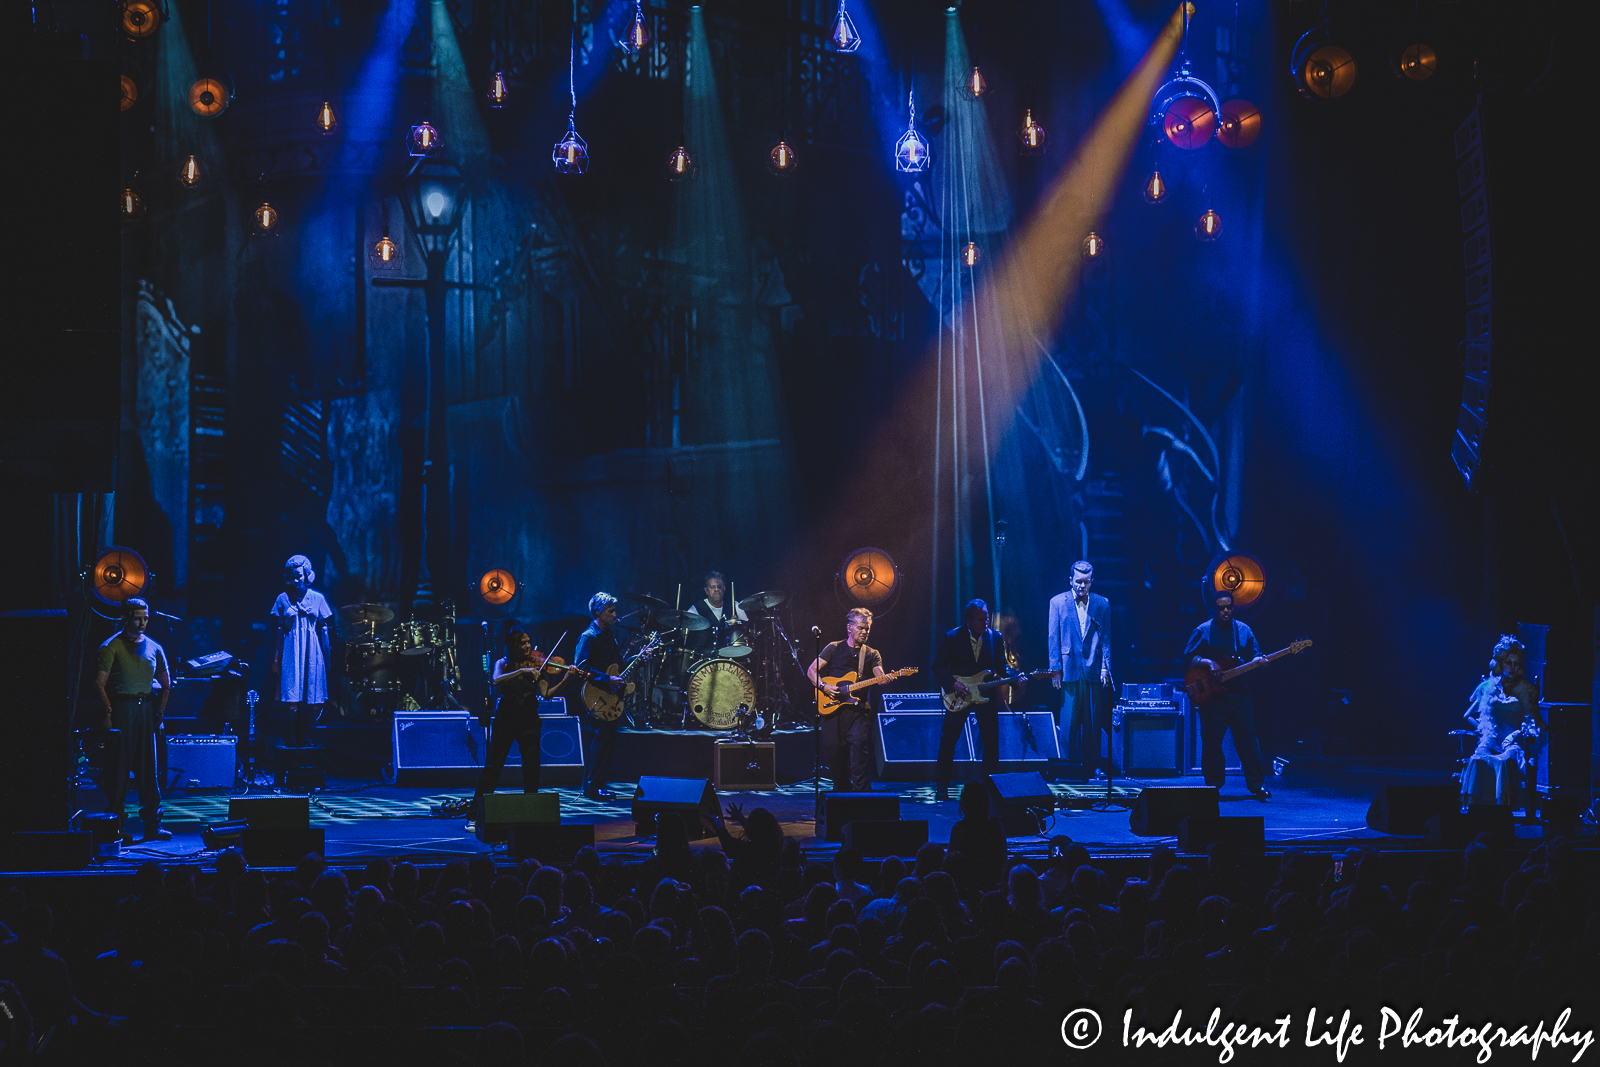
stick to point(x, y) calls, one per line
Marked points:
point(553, 673)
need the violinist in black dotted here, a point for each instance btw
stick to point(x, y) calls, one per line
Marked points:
point(516, 716)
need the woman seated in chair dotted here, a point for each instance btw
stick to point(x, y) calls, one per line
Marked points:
point(1505, 709)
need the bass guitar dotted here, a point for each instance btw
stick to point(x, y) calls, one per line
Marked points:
point(1205, 685)
point(604, 699)
point(980, 685)
point(848, 684)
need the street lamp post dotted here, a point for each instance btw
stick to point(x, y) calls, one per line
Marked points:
point(434, 194)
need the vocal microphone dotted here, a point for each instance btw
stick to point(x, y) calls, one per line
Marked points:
point(164, 615)
point(816, 631)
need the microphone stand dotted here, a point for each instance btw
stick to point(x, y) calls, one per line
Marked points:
point(816, 743)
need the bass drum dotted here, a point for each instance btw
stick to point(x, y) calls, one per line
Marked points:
point(717, 687)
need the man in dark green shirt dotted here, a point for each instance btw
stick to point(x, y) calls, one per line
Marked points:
point(129, 662)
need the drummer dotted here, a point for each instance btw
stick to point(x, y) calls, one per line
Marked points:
point(713, 607)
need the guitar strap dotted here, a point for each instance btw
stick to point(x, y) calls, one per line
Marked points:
point(861, 662)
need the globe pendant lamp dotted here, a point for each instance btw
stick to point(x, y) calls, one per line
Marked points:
point(1032, 135)
point(424, 139)
point(1208, 227)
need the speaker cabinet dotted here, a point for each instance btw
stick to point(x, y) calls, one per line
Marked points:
point(691, 800)
point(1406, 809)
point(504, 811)
point(841, 809)
point(1148, 744)
point(886, 837)
point(744, 765)
point(271, 813)
point(447, 748)
point(912, 737)
point(1015, 799)
point(201, 761)
point(1158, 811)
point(1569, 748)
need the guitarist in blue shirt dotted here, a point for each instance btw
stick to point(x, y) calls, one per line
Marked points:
point(969, 649)
point(1225, 638)
point(596, 651)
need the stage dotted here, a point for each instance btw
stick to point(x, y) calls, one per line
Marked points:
point(1316, 806)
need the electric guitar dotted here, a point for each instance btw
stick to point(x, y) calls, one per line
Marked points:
point(1205, 685)
point(978, 688)
point(604, 699)
point(827, 705)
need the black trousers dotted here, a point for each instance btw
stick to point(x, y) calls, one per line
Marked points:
point(298, 722)
point(847, 734)
point(512, 723)
point(1086, 723)
point(988, 717)
point(1233, 711)
point(135, 716)
point(602, 737)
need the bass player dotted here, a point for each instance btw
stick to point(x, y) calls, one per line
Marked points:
point(848, 731)
point(970, 649)
point(1224, 637)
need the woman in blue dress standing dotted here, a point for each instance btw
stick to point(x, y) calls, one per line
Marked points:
point(301, 662)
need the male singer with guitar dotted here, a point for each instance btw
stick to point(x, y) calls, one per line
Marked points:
point(970, 649)
point(597, 650)
point(1080, 648)
point(847, 732)
point(1222, 637)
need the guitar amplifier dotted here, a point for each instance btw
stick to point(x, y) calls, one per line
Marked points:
point(201, 761)
point(908, 739)
point(447, 748)
point(913, 702)
point(745, 765)
point(1148, 743)
point(1141, 692)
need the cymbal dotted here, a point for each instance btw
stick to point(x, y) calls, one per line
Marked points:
point(646, 598)
point(366, 613)
point(764, 601)
point(681, 620)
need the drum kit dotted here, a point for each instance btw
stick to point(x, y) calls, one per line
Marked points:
point(717, 674)
point(412, 665)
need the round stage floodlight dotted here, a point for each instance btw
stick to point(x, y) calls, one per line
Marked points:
point(868, 578)
point(496, 591)
point(1321, 68)
point(118, 575)
point(1240, 125)
point(209, 97)
point(141, 18)
point(130, 92)
point(1189, 122)
point(1238, 574)
point(1416, 62)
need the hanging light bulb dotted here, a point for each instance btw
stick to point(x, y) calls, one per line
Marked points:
point(1208, 227)
point(209, 97)
point(680, 165)
point(1032, 135)
point(1094, 246)
point(264, 220)
point(140, 18)
point(132, 206)
point(638, 38)
point(327, 119)
point(498, 89)
point(782, 160)
point(571, 154)
point(385, 255)
point(189, 173)
point(1156, 189)
point(130, 92)
point(424, 139)
point(843, 37)
point(975, 86)
point(911, 150)
point(970, 254)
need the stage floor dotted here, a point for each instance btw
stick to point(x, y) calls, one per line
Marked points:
point(1320, 807)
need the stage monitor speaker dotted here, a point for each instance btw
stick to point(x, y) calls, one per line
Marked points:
point(840, 809)
point(503, 811)
point(1158, 810)
point(271, 813)
point(36, 759)
point(693, 800)
point(1196, 833)
point(65, 850)
point(886, 837)
point(550, 842)
point(201, 761)
point(744, 765)
point(1018, 799)
point(1568, 751)
point(281, 846)
point(1406, 809)
point(300, 767)
point(1148, 744)
point(1453, 829)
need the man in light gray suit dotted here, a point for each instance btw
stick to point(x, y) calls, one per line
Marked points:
point(1080, 648)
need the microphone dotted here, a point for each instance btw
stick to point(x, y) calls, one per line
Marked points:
point(164, 615)
point(816, 631)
